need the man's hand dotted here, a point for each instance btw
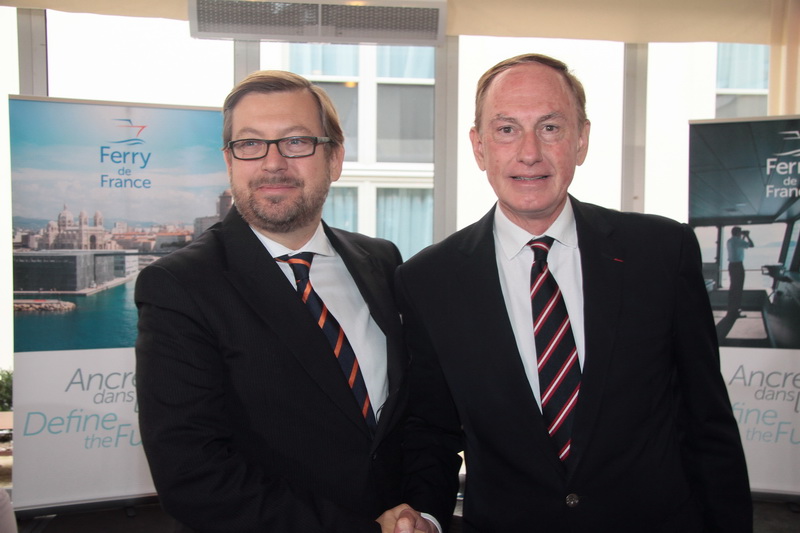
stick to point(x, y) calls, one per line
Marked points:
point(404, 519)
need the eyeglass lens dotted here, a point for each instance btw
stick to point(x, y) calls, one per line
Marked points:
point(288, 147)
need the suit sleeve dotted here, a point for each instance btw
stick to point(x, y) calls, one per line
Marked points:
point(433, 436)
point(711, 441)
point(189, 431)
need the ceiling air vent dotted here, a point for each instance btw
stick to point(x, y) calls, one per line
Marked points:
point(414, 22)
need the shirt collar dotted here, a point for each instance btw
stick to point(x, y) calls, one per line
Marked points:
point(318, 244)
point(513, 239)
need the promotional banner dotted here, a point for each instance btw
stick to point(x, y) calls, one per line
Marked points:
point(99, 190)
point(744, 186)
point(75, 430)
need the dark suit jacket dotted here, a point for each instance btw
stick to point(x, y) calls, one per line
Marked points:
point(655, 447)
point(246, 419)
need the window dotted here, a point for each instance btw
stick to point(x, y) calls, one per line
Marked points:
point(405, 217)
point(311, 60)
point(341, 208)
point(100, 57)
point(384, 96)
point(742, 80)
point(335, 68)
point(405, 123)
point(406, 62)
point(405, 104)
point(345, 99)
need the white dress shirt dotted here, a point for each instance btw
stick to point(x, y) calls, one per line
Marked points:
point(334, 284)
point(514, 259)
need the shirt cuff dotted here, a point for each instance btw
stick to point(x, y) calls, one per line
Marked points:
point(435, 522)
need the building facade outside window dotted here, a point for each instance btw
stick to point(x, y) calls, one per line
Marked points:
point(742, 80)
point(384, 96)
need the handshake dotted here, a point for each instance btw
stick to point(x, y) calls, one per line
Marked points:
point(404, 519)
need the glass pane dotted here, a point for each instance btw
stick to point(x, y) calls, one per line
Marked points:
point(405, 123)
point(135, 59)
point(345, 99)
point(323, 59)
point(405, 217)
point(742, 66)
point(406, 61)
point(341, 208)
point(741, 105)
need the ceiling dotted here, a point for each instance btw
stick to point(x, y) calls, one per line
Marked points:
point(632, 21)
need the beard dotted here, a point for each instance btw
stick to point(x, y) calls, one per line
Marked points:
point(280, 215)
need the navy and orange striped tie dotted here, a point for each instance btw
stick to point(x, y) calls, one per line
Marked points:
point(556, 354)
point(301, 266)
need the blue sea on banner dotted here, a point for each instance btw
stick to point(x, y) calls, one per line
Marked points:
point(106, 319)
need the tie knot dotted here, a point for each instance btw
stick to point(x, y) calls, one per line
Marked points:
point(540, 247)
point(300, 263)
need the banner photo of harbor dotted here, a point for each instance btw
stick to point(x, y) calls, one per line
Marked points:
point(100, 190)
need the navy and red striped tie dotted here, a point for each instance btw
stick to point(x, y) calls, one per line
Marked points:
point(556, 354)
point(301, 266)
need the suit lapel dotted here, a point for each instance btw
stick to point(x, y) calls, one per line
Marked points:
point(505, 376)
point(602, 264)
point(371, 284)
point(259, 280)
point(379, 297)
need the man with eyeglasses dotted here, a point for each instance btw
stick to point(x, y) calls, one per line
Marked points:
point(252, 419)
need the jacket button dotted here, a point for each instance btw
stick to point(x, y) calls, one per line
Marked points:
point(572, 500)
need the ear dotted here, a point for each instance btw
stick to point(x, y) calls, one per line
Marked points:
point(477, 147)
point(335, 162)
point(226, 153)
point(583, 143)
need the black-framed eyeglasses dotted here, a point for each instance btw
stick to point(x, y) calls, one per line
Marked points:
point(290, 147)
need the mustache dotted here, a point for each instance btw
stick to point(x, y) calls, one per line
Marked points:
point(275, 180)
